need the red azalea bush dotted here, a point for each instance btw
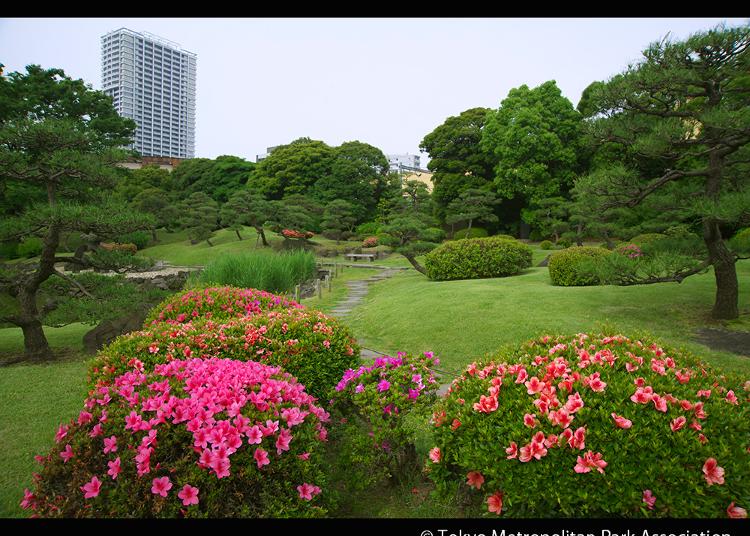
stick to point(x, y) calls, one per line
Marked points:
point(370, 242)
point(589, 426)
point(298, 235)
point(217, 303)
point(193, 438)
point(373, 403)
point(311, 346)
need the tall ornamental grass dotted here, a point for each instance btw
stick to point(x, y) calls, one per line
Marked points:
point(274, 272)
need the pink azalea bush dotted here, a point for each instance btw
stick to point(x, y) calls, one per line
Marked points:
point(297, 235)
point(311, 346)
point(594, 426)
point(370, 242)
point(372, 405)
point(216, 303)
point(194, 438)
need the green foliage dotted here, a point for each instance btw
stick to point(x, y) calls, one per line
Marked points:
point(29, 247)
point(218, 178)
point(472, 205)
point(457, 160)
point(536, 138)
point(474, 232)
point(646, 239)
point(564, 243)
point(477, 258)
point(549, 215)
point(546, 245)
point(570, 267)
point(366, 229)
point(313, 347)
point(245, 207)
point(741, 241)
point(148, 177)
point(161, 205)
point(373, 404)
point(480, 427)
point(140, 239)
point(338, 219)
point(200, 216)
point(264, 270)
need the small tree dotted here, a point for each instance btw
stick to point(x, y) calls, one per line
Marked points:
point(159, 204)
point(338, 219)
point(246, 207)
point(200, 215)
point(411, 235)
point(472, 205)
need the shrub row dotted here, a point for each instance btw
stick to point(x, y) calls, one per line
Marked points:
point(569, 267)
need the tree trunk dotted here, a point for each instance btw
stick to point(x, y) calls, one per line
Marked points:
point(35, 345)
point(418, 267)
point(153, 235)
point(579, 234)
point(237, 231)
point(610, 244)
point(468, 229)
point(208, 241)
point(262, 235)
point(726, 305)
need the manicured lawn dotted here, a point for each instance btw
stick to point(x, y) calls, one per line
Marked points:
point(463, 320)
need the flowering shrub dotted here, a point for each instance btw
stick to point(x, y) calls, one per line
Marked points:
point(477, 258)
point(630, 251)
point(193, 438)
point(594, 426)
point(311, 346)
point(373, 402)
point(130, 249)
point(647, 238)
point(299, 235)
point(571, 267)
point(370, 242)
point(216, 303)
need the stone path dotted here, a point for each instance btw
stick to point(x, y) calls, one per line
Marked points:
point(357, 290)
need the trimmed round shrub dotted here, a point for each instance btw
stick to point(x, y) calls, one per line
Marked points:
point(476, 258)
point(593, 426)
point(546, 245)
point(647, 238)
point(370, 242)
point(141, 239)
point(505, 236)
point(568, 268)
point(193, 438)
point(217, 303)
point(564, 243)
point(474, 232)
point(372, 405)
point(313, 347)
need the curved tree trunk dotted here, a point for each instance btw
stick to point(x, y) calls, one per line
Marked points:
point(418, 267)
point(726, 305)
point(237, 231)
point(262, 235)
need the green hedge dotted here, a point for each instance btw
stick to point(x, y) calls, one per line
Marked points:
point(477, 258)
point(474, 232)
point(568, 268)
point(546, 245)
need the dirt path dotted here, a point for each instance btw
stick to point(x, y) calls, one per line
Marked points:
point(737, 342)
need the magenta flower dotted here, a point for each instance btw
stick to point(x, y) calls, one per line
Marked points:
point(435, 455)
point(67, 454)
point(261, 457)
point(114, 468)
point(110, 444)
point(161, 486)
point(189, 495)
point(308, 491)
point(384, 385)
point(649, 499)
point(91, 489)
point(29, 498)
point(712, 472)
point(62, 431)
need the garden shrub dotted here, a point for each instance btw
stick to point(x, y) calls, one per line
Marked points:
point(564, 243)
point(130, 249)
point(546, 245)
point(29, 247)
point(594, 426)
point(263, 270)
point(371, 405)
point(474, 232)
point(141, 239)
point(647, 238)
point(370, 242)
point(505, 236)
point(193, 438)
point(476, 258)
point(311, 346)
point(217, 303)
point(569, 267)
point(629, 265)
point(366, 229)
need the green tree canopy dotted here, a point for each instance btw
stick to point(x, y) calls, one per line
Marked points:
point(338, 219)
point(200, 215)
point(218, 178)
point(457, 160)
point(472, 205)
point(246, 207)
point(536, 138)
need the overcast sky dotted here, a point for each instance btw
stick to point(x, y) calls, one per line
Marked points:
point(387, 82)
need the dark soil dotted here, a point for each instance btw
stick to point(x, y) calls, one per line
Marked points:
point(737, 342)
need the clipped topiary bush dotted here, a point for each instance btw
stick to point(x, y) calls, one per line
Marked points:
point(546, 245)
point(594, 426)
point(741, 241)
point(569, 267)
point(217, 303)
point(372, 404)
point(313, 347)
point(477, 258)
point(193, 438)
point(505, 236)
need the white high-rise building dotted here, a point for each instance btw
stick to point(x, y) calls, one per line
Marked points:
point(403, 162)
point(152, 81)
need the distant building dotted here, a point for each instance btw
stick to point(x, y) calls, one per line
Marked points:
point(152, 81)
point(269, 150)
point(401, 163)
point(164, 162)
